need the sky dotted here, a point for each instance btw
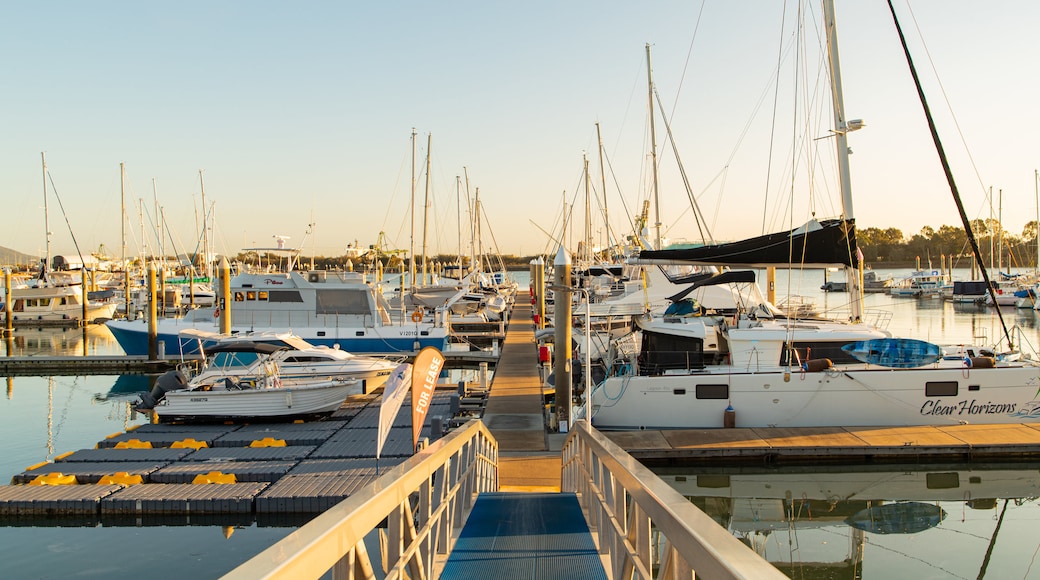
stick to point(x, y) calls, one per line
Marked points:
point(300, 117)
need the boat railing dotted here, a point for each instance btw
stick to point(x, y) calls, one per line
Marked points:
point(877, 318)
point(644, 527)
point(422, 503)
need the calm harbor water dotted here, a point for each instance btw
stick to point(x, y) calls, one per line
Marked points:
point(966, 521)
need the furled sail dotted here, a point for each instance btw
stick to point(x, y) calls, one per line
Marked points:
point(830, 243)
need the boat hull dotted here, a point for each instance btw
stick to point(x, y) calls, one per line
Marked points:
point(132, 336)
point(852, 395)
point(311, 399)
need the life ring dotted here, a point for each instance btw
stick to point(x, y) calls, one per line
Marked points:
point(417, 316)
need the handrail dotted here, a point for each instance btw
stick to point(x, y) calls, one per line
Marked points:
point(421, 500)
point(623, 500)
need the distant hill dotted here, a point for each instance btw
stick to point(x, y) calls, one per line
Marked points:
point(9, 257)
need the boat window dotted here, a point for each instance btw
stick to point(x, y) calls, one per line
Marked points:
point(815, 350)
point(261, 295)
point(940, 389)
point(712, 391)
point(285, 296)
point(664, 352)
point(239, 296)
point(250, 295)
point(342, 302)
point(304, 359)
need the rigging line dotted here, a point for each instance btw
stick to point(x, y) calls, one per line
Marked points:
point(628, 213)
point(494, 242)
point(772, 126)
point(54, 190)
point(942, 90)
point(686, 64)
point(946, 169)
point(697, 216)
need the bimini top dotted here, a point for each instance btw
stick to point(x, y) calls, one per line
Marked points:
point(246, 346)
point(730, 277)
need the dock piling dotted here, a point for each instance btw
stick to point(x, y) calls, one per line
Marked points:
point(8, 317)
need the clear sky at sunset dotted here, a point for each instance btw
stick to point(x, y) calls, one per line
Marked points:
point(301, 113)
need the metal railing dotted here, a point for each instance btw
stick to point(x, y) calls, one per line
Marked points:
point(626, 504)
point(423, 501)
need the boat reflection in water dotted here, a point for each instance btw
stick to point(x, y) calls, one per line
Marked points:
point(875, 522)
point(93, 339)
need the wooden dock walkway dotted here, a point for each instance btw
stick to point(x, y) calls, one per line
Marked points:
point(529, 460)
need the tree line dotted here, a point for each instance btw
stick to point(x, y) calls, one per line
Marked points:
point(890, 247)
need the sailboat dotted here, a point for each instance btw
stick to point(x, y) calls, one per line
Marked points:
point(51, 300)
point(758, 368)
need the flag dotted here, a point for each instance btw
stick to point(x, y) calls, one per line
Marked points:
point(394, 391)
point(428, 365)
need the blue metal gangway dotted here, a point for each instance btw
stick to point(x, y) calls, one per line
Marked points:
point(525, 535)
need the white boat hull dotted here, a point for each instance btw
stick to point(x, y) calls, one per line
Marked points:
point(854, 395)
point(314, 398)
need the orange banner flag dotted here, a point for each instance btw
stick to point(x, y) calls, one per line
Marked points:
point(425, 370)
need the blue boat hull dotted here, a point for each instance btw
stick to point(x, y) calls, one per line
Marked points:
point(135, 342)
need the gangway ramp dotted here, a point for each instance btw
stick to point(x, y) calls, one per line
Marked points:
point(525, 535)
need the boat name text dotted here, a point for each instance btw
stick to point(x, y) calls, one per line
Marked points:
point(973, 407)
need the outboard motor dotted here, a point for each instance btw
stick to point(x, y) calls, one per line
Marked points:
point(168, 381)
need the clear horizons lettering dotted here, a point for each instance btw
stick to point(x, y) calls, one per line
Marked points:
point(937, 407)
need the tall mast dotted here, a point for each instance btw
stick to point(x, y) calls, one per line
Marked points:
point(205, 227)
point(603, 180)
point(426, 206)
point(841, 128)
point(458, 217)
point(411, 239)
point(588, 213)
point(46, 214)
point(1036, 195)
point(472, 228)
point(476, 228)
point(1000, 230)
point(653, 149)
point(159, 224)
point(122, 213)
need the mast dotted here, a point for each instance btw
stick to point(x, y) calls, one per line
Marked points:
point(1036, 195)
point(426, 205)
point(458, 218)
point(46, 215)
point(603, 180)
point(841, 128)
point(472, 228)
point(122, 213)
point(653, 149)
point(1000, 230)
point(476, 227)
point(411, 239)
point(588, 213)
point(205, 229)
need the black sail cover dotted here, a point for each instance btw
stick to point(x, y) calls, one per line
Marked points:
point(829, 243)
